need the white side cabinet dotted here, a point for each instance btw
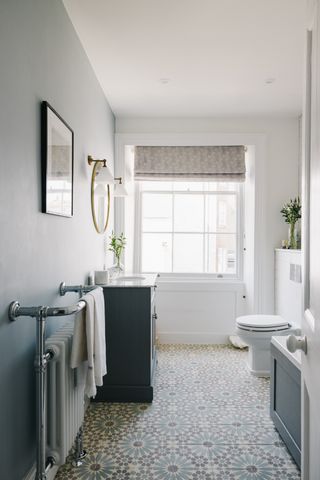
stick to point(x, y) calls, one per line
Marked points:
point(288, 286)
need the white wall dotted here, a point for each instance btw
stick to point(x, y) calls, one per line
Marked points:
point(250, 265)
point(276, 145)
point(198, 311)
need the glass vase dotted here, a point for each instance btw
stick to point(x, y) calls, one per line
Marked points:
point(116, 270)
point(293, 236)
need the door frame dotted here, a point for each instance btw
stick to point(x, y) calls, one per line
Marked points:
point(306, 158)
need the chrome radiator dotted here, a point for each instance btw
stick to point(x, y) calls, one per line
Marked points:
point(65, 396)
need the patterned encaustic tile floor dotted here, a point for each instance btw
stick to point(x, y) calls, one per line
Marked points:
point(209, 420)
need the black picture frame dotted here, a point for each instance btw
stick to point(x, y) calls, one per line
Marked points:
point(57, 163)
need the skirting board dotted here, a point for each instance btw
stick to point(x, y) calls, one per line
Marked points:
point(50, 475)
point(200, 338)
point(31, 474)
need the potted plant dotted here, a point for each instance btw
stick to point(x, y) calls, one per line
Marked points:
point(117, 245)
point(291, 211)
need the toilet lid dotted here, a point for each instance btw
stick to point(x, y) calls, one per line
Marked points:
point(262, 322)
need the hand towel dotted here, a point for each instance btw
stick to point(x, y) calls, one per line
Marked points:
point(89, 341)
point(98, 340)
point(79, 342)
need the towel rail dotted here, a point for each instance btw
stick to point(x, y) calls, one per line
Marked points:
point(15, 310)
point(63, 289)
point(42, 358)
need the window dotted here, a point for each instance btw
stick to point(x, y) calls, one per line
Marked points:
point(189, 227)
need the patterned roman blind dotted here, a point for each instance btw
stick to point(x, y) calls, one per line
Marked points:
point(225, 163)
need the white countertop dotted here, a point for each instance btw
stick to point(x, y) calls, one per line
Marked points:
point(281, 343)
point(146, 280)
point(288, 250)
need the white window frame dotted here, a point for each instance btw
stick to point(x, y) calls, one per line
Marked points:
point(258, 258)
point(239, 234)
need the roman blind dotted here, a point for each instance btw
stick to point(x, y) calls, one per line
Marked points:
point(208, 163)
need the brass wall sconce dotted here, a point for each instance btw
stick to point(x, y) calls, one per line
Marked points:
point(119, 188)
point(100, 193)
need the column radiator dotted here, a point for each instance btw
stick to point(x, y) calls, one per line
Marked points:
point(65, 396)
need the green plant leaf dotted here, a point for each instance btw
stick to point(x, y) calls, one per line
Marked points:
point(291, 211)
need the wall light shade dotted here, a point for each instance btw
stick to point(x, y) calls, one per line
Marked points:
point(104, 175)
point(119, 189)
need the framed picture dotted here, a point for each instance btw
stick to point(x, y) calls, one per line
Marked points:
point(57, 163)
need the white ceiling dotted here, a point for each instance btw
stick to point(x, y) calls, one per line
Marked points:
point(217, 55)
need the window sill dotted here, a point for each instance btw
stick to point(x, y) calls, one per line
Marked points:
point(195, 279)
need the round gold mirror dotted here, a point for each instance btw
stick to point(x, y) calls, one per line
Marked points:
point(100, 194)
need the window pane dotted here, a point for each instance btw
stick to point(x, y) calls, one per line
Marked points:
point(222, 213)
point(222, 253)
point(201, 228)
point(188, 186)
point(156, 252)
point(155, 186)
point(188, 253)
point(156, 212)
point(223, 186)
point(188, 213)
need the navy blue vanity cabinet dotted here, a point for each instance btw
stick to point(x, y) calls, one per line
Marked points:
point(130, 344)
point(285, 397)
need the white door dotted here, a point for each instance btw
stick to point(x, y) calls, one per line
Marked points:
point(311, 251)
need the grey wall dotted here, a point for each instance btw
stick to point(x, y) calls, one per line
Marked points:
point(40, 59)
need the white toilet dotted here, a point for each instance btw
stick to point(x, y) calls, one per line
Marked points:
point(256, 331)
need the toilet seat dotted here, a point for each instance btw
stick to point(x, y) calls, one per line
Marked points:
point(262, 323)
point(256, 331)
point(271, 330)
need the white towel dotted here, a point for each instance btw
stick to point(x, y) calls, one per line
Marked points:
point(89, 341)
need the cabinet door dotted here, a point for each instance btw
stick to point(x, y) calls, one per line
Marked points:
point(128, 333)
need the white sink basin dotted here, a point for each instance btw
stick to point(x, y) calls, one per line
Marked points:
point(130, 277)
